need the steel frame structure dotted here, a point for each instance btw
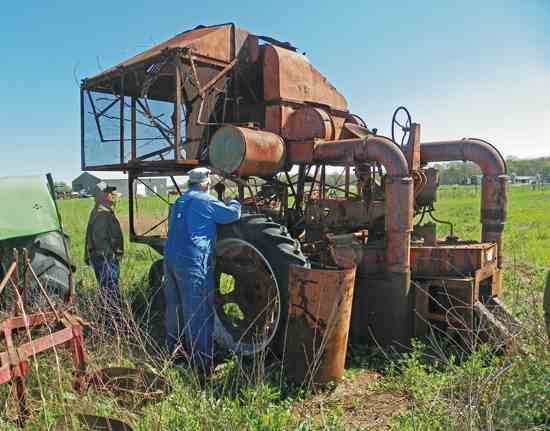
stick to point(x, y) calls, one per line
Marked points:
point(64, 329)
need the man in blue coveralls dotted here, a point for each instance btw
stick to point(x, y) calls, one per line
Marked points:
point(189, 287)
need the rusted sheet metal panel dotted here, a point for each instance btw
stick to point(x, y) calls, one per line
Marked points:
point(276, 117)
point(458, 259)
point(347, 250)
point(308, 123)
point(354, 120)
point(299, 152)
point(337, 214)
point(246, 151)
point(448, 299)
point(421, 309)
point(338, 124)
point(212, 42)
point(497, 283)
point(319, 313)
point(451, 300)
point(359, 329)
point(373, 261)
point(289, 76)
point(383, 310)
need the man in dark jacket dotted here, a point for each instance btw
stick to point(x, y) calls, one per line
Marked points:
point(105, 244)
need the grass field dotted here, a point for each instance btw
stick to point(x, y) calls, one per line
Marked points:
point(432, 387)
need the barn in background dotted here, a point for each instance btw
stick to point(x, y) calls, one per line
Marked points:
point(86, 182)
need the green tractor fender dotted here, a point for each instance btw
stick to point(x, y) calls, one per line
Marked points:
point(29, 219)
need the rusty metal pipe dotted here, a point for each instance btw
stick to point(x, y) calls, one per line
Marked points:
point(373, 148)
point(393, 327)
point(399, 189)
point(483, 154)
point(493, 186)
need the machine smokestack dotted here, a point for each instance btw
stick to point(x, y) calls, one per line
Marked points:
point(394, 326)
point(493, 186)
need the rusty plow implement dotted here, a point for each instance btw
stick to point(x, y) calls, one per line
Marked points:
point(25, 336)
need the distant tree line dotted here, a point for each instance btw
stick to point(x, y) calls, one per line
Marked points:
point(61, 186)
point(529, 167)
point(457, 172)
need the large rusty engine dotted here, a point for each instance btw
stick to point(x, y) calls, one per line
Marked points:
point(322, 187)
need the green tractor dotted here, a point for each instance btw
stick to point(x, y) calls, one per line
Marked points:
point(29, 219)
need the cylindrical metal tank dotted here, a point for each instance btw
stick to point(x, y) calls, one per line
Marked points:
point(308, 123)
point(246, 152)
point(319, 312)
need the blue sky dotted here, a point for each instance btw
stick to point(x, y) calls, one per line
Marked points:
point(463, 68)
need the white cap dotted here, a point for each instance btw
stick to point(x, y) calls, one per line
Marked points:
point(199, 175)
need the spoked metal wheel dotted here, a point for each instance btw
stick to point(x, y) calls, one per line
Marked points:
point(247, 301)
point(401, 120)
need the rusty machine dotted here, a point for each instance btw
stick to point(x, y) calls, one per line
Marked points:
point(320, 187)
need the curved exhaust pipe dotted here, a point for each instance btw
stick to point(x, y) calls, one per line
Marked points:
point(393, 326)
point(399, 189)
point(481, 152)
point(493, 186)
point(369, 148)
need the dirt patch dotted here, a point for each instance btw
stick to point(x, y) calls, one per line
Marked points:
point(362, 406)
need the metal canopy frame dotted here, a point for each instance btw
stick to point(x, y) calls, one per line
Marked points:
point(135, 82)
